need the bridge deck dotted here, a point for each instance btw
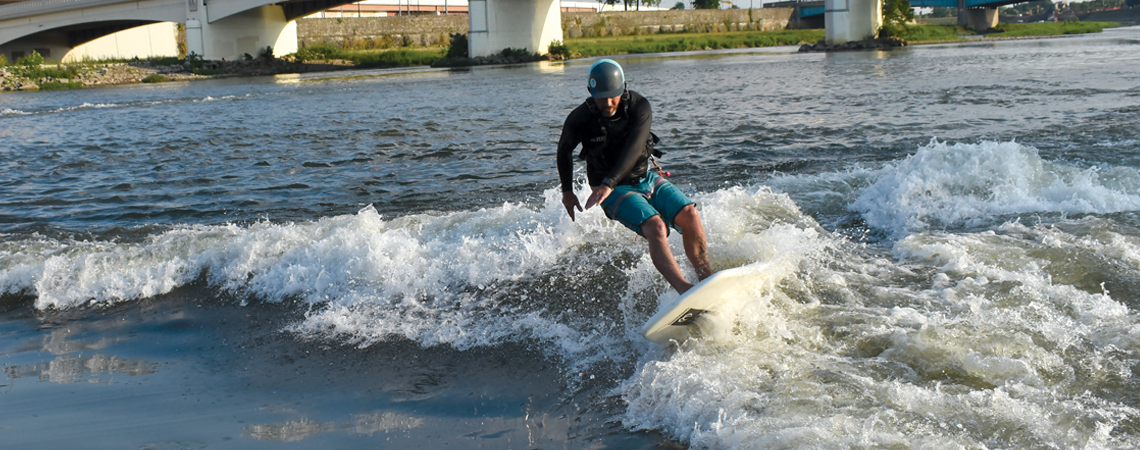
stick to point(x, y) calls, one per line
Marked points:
point(18, 9)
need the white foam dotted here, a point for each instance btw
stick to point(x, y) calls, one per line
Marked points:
point(966, 363)
point(952, 185)
point(220, 98)
point(462, 279)
point(852, 350)
point(86, 105)
point(959, 340)
point(453, 279)
point(1126, 143)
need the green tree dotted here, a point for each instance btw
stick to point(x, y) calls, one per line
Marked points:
point(706, 4)
point(942, 11)
point(1132, 3)
point(681, 5)
point(32, 60)
point(896, 14)
point(458, 46)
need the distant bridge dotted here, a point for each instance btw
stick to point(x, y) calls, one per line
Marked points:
point(976, 14)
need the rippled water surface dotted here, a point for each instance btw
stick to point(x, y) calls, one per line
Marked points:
point(945, 243)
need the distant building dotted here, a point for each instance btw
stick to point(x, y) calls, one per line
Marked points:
point(388, 8)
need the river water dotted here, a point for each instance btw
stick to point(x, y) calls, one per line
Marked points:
point(945, 240)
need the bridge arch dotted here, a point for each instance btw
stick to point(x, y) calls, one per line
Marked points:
point(216, 29)
point(52, 29)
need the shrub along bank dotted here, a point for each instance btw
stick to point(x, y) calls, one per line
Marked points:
point(31, 67)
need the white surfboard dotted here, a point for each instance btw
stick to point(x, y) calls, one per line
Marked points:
point(675, 322)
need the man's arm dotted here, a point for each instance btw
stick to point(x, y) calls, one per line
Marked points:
point(566, 145)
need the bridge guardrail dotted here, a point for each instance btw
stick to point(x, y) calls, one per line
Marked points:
point(36, 7)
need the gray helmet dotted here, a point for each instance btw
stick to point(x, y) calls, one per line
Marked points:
point(606, 79)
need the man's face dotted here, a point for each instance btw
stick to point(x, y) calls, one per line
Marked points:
point(608, 106)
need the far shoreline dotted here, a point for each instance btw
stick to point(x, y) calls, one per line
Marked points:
point(119, 73)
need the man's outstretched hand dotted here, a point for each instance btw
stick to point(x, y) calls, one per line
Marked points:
point(598, 196)
point(570, 201)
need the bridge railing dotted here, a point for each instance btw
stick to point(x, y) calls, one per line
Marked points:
point(37, 7)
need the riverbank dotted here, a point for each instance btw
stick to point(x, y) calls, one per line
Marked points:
point(323, 58)
point(943, 34)
point(21, 77)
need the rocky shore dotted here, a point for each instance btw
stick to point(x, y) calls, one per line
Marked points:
point(868, 44)
point(80, 75)
point(491, 60)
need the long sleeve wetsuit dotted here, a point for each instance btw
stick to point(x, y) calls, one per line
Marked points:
point(614, 148)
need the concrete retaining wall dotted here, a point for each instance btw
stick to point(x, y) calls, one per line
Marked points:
point(575, 25)
point(427, 31)
point(380, 32)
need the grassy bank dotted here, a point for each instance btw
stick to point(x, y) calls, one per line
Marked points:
point(31, 68)
point(619, 45)
point(1052, 28)
point(929, 33)
point(942, 33)
point(573, 48)
point(371, 58)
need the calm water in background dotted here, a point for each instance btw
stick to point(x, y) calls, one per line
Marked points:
point(946, 242)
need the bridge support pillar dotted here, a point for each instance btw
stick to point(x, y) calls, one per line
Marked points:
point(851, 20)
point(517, 24)
point(979, 19)
point(246, 32)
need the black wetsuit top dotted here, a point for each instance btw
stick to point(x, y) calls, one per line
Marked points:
point(614, 148)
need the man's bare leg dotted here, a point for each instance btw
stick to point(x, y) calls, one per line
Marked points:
point(693, 237)
point(658, 236)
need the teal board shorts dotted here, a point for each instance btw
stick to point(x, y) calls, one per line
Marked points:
point(633, 204)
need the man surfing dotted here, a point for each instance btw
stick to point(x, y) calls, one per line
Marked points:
point(613, 128)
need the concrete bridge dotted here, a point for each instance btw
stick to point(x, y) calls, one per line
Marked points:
point(215, 29)
point(228, 29)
